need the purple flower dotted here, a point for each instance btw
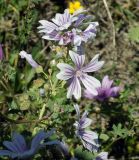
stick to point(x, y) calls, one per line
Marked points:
point(102, 156)
point(66, 28)
point(88, 138)
point(29, 58)
point(19, 149)
point(105, 91)
point(80, 73)
point(1, 52)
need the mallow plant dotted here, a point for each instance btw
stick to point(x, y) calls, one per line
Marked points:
point(70, 30)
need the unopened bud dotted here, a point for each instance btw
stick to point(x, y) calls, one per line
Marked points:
point(39, 69)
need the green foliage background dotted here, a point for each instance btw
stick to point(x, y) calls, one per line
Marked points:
point(24, 109)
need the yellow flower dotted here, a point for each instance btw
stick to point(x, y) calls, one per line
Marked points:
point(74, 6)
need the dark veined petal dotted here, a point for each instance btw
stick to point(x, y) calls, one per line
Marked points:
point(89, 146)
point(94, 65)
point(64, 75)
point(65, 67)
point(19, 142)
point(47, 27)
point(90, 137)
point(63, 20)
point(85, 123)
point(74, 89)
point(66, 72)
point(77, 59)
point(90, 83)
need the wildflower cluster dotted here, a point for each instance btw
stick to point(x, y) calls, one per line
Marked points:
point(71, 29)
point(67, 29)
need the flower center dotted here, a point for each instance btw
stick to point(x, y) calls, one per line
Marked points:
point(78, 73)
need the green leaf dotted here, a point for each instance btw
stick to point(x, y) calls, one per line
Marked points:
point(104, 137)
point(133, 34)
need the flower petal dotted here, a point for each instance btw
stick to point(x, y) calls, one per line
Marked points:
point(80, 19)
point(77, 40)
point(29, 58)
point(66, 72)
point(19, 142)
point(37, 140)
point(74, 89)
point(85, 122)
point(106, 82)
point(115, 91)
point(90, 83)
point(65, 67)
point(63, 20)
point(85, 114)
point(11, 146)
point(64, 76)
point(76, 106)
point(77, 59)
point(47, 27)
point(88, 95)
point(8, 153)
point(89, 146)
point(102, 156)
point(94, 65)
point(89, 139)
point(90, 136)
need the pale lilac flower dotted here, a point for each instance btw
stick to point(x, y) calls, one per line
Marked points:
point(80, 73)
point(19, 149)
point(60, 22)
point(68, 29)
point(80, 36)
point(88, 138)
point(29, 58)
point(1, 52)
point(102, 156)
point(105, 91)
